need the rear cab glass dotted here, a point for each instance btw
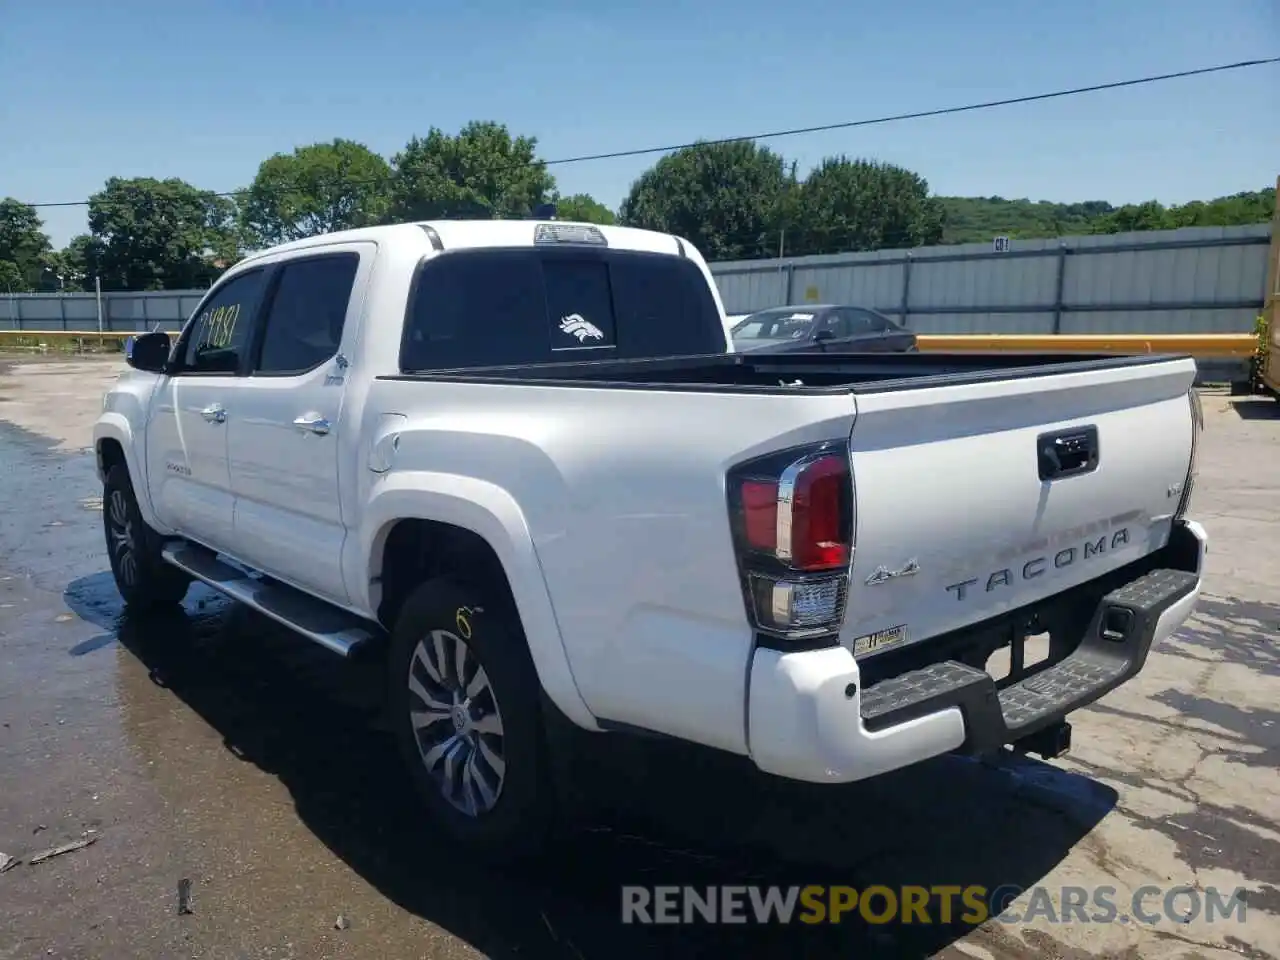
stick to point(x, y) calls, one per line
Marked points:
point(495, 307)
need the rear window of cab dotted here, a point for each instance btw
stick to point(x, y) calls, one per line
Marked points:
point(494, 307)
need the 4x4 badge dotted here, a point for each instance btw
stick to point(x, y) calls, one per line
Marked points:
point(884, 574)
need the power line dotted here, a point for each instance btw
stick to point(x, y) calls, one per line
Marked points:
point(841, 125)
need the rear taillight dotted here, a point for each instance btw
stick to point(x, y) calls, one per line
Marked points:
point(1197, 427)
point(792, 517)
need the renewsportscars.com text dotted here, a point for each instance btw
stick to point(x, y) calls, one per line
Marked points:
point(942, 904)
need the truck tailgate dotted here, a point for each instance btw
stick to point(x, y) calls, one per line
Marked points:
point(954, 523)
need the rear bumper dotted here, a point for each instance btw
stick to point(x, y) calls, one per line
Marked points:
point(809, 717)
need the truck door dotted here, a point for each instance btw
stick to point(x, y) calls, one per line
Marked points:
point(187, 430)
point(285, 452)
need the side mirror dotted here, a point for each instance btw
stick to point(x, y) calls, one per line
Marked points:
point(150, 352)
point(823, 335)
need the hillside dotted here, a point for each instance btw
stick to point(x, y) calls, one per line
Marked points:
point(978, 219)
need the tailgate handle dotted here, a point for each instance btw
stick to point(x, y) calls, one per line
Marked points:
point(1067, 453)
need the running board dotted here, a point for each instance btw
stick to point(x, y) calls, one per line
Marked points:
point(334, 629)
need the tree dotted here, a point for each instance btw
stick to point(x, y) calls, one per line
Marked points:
point(728, 199)
point(862, 205)
point(1150, 215)
point(70, 266)
point(481, 173)
point(150, 234)
point(23, 245)
point(11, 279)
point(316, 189)
point(583, 208)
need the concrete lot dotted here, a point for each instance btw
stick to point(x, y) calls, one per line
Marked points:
point(216, 749)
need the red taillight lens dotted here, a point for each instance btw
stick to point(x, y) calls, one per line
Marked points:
point(803, 517)
point(818, 537)
point(793, 531)
point(760, 514)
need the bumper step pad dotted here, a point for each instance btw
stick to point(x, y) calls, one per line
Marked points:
point(1113, 649)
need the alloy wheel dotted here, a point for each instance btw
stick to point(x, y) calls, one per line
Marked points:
point(457, 723)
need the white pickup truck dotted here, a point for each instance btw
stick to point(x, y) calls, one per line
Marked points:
point(515, 460)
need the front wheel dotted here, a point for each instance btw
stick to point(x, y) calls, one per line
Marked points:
point(464, 703)
point(144, 580)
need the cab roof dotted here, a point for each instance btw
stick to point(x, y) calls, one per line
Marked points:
point(469, 234)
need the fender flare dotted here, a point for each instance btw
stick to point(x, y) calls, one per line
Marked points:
point(112, 425)
point(491, 513)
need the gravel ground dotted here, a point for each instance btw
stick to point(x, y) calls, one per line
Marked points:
point(215, 749)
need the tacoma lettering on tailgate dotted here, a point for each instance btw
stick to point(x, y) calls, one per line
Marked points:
point(1039, 566)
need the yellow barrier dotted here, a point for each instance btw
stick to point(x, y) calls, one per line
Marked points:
point(1196, 344)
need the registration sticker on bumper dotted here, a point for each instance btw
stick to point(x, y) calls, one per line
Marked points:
point(880, 639)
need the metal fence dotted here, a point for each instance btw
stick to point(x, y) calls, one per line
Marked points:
point(162, 310)
point(1195, 280)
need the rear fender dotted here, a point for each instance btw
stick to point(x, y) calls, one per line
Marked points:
point(489, 512)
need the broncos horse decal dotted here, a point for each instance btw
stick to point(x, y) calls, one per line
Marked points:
point(577, 326)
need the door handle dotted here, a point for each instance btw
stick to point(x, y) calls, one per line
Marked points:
point(313, 422)
point(214, 413)
point(1068, 454)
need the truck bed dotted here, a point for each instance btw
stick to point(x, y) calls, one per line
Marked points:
point(796, 373)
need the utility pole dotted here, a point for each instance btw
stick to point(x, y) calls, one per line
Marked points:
point(97, 293)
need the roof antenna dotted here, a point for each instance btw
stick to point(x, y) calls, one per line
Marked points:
point(545, 211)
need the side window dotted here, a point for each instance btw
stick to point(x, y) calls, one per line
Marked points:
point(219, 335)
point(867, 322)
point(579, 304)
point(860, 323)
point(475, 310)
point(838, 323)
point(308, 308)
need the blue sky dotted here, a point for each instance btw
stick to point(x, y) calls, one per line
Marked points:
point(206, 91)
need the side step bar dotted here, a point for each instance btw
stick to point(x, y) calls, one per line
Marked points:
point(335, 630)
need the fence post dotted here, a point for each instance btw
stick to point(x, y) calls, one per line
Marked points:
point(906, 289)
point(791, 282)
point(62, 311)
point(1058, 282)
point(17, 312)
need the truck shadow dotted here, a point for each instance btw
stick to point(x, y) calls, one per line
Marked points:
point(1256, 408)
point(653, 813)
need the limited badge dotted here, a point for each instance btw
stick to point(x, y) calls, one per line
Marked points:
point(880, 639)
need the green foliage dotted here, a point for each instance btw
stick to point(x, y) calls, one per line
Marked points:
point(158, 234)
point(1255, 206)
point(11, 278)
point(1258, 362)
point(861, 205)
point(71, 263)
point(729, 199)
point(979, 219)
point(584, 208)
point(736, 200)
point(481, 173)
point(23, 244)
point(316, 189)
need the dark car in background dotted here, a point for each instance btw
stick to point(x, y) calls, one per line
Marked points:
point(820, 327)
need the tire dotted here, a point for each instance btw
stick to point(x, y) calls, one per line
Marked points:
point(480, 761)
point(144, 580)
